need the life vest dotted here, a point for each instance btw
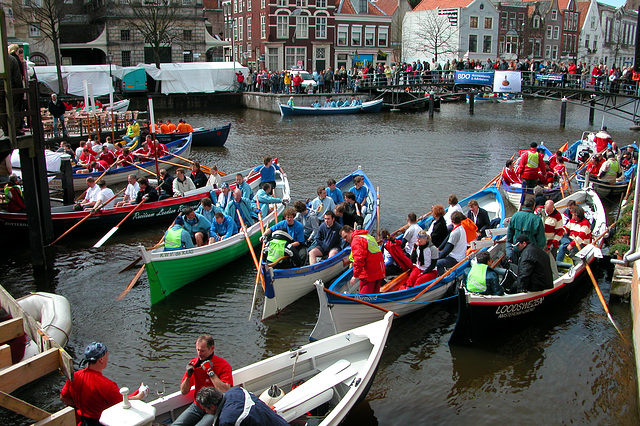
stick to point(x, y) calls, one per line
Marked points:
point(173, 239)
point(372, 245)
point(394, 247)
point(15, 201)
point(477, 278)
point(614, 168)
point(532, 160)
point(276, 248)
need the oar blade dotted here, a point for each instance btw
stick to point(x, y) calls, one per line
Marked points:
point(133, 282)
point(106, 237)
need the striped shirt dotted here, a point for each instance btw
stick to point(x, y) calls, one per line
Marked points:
point(579, 232)
point(553, 229)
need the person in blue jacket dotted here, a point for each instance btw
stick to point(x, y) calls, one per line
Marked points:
point(267, 171)
point(237, 406)
point(196, 225)
point(265, 198)
point(296, 230)
point(222, 227)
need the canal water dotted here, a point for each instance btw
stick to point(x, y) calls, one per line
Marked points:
point(568, 367)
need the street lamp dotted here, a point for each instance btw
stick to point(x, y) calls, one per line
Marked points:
point(110, 60)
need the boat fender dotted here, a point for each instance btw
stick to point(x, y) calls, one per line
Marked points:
point(272, 395)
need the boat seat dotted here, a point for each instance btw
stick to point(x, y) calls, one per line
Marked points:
point(563, 265)
point(315, 391)
point(496, 232)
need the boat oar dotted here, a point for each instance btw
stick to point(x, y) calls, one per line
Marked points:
point(91, 213)
point(255, 286)
point(441, 277)
point(100, 177)
point(115, 228)
point(248, 240)
point(133, 282)
point(353, 299)
point(600, 296)
point(204, 168)
point(144, 170)
point(131, 265)
point(626, 197)
point(390, 286)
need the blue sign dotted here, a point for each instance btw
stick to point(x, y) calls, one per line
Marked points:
point(549, 77)
point(470, 77)
point(362, 60)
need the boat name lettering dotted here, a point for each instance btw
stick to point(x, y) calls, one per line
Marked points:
point(161, 212)
point(367, 298)
point(518, 308)
point(176, 253)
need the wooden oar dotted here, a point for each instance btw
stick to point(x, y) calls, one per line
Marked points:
point(131, 265)
point(100, 177)
point(115, 228)
point(133, 282)
point(248, 240)
point(204, 168)
point(278, 260)
point(91, 213)
point(144, 170)
point(441, 277)
point(394, 282)
point(353, 299)
point(600, 296)
point(626, 196)
point(255, 287)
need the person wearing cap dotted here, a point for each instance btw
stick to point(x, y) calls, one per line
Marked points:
point(534, 266)
point(133, 133)
point(290, 102)
point(177, 238)
point(525, 222)
point(205, 370)
point(610, 170)
point(224, 198)
point(531, 165)
point(424, 257)
point(90, 393)
point(237, 406)
point(482, 278)
point(367, 259)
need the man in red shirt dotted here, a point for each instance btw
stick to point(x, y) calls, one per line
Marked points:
point(204, 370)
point(531, 165)
point(90, 393)
point(107, 156)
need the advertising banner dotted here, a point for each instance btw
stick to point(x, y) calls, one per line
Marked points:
point(550, 77)
point(470, 77)
point(507, 82)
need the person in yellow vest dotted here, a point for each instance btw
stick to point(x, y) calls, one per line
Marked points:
point(482, 279)
point(531, 165)
point(133, 133)
point(610, 169)
point(367, 258)
point(177, 238)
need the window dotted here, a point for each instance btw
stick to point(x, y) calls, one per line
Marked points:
point(125, 56)
point(34, 30)
point(504, 17)
point(249, 27)
point(383, 36)
point(124, 2)
point(187, 35)
point(547, 51)
point(38, 59)
point(549, 32)
point(263, 27)
point(536, 21)
point(321, 4)
point(273, 58)
point(554, 54)
point(294, 56)
point(511, 44)
point(240, 6)
point(321, 27)
point(188, 56)
point(302, 27)
point(556, 33)
point(262, 4)
point(343, 35)
point(235, 6)
point(512, 20)
point(369, 36)
point(473, 43)
point(240, 28)
point(486, 44)
point(593, 22)
point(283, 26)
point(125, 35)
point(301, 3)
point(249, 7)
point(32, 3)
point(473, 22)
point(595, 43)
point(488, 23)
point(356, 35)
point(554, 15)
point(186, 3)
point(283, 3)
point(520, 20)
point(586, 40)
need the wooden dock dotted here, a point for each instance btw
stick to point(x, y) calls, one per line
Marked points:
point(52, 358)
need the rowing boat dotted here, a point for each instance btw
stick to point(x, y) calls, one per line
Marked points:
point(201, 137)
point(604, 189)
point(480, 316)
point(64, 217)
point(285, 286)
point(169, 271)
point(369, 106)
point(180, 147)
point(338, 314)
point(336, 374)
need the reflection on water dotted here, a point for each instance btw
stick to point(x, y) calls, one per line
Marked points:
point(571, 365)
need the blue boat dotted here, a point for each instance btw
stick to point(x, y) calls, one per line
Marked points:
point(369, 106)
point(338, 314)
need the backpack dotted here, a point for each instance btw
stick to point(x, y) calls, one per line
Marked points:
point(470, 229)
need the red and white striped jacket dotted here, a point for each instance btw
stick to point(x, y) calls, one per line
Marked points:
point(553, 229)
point(578, 232)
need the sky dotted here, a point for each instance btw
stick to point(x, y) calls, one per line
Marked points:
point(614, 2)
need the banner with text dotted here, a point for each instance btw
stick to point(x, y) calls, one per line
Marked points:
point(507, 82)
point(470, 77)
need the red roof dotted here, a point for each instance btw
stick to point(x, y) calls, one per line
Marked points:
point(388, 6)
point(349, 9)
point(440, 4)
point(583, 8)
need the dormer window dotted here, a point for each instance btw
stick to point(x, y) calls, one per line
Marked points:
point(554, 15)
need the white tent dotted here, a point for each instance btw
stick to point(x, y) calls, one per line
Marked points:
point(75, 75)
point(196, 77)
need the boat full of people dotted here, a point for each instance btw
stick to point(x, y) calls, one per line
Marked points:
point(331, 108)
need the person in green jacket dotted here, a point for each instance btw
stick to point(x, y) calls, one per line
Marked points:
point(525, 222)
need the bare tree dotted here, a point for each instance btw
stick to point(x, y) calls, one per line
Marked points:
point(156, 20)
point(46, 15)
point(435, 35)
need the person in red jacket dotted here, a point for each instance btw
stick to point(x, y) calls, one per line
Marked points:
point(531, 165)
point(297, 81)
point(367, 258)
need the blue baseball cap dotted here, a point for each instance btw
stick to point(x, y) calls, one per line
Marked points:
point(94, 352)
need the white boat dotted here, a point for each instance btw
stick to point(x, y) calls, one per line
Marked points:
point(118, 106)
point(337, 373)
point(53, 313)
point(338, 314)
point(285, 286)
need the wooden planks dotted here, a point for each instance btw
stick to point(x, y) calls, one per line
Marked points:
point(24, 408)
point(5, 356)
point(11, 329)
point(65, 417)
point(24, 372)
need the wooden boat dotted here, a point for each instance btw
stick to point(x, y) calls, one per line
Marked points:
point(612, 191)
point(338, 314)
point(118, 106)
point(53, 314)
point(285, 286)
point(482, 315)
point(510, 99)
point(585, 147)
point(369, 106)
point(180, 147)
point(64, 217)
point(201, 137)
point(169, 271)
point(336, 372)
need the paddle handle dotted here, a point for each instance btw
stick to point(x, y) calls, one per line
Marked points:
point(253, 253)
point(115, 228)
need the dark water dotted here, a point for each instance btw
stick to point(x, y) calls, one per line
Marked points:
point(569, 367)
